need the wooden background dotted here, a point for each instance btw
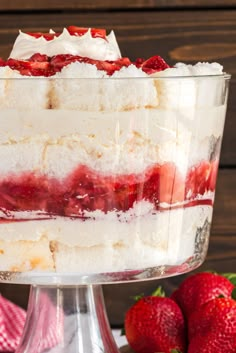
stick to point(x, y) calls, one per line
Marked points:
point(178, 30)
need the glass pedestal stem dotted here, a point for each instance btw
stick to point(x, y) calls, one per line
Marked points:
point(67, 319)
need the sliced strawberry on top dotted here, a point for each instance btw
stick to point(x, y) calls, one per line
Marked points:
point(80, 31)
point(61, 60)
point(123, 61)
point(27, 68)
point(154, 64)
point(139, 62)
point(47, 36)
point(109, 66)
point(39, 58)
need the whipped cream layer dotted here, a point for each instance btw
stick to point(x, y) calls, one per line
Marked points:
point(64, 245)
point(55, 142)
point(87, 46)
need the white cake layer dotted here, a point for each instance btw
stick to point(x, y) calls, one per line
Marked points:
point(23, 92)
point(26, 255)
point(183, 86)
point(56, 142)
point(139, 238)
point(92, 93)
point(177, 88)
point(80, 86)
point(95, 48)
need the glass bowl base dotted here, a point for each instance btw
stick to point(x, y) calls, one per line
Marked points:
point(68, 319)
point(68, 279)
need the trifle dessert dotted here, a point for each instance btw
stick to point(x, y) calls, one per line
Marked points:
point(107, 164)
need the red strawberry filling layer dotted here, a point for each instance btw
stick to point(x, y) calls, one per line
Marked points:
point(42, 65)
point(87, 190)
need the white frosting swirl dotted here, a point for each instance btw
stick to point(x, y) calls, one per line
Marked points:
point(87, 46)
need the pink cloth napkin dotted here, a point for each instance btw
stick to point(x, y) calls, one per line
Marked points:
point(48, 331)
point(12, 320)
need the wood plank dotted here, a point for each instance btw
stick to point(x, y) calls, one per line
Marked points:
point(228, 153)
point(109, 4)
point(224, 220)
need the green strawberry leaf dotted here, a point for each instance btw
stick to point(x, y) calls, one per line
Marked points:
point(159, 292)
point(137, 297)
point(233, 294)
point(231, 277)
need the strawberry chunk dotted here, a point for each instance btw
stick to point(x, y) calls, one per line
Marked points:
point(201, 178)
point(39, 58)
point(47, 36)
point(109, 66)
point(80, 31)
point(139, 62)
point(153, 64)
point(27, 68)
point(123, 62)
point(172, 185)
point(61, 60)
point(26, 192)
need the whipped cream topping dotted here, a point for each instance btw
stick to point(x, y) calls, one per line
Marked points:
point(86, 45)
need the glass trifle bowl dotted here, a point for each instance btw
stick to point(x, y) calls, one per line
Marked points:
point(103, 180)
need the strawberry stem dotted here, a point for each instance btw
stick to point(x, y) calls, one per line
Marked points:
point(159, 292)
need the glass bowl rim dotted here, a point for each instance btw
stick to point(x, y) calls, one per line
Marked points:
point(225, 76)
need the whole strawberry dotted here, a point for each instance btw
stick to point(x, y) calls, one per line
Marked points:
point(212, 327)
point(155, 324)
point(199, 288)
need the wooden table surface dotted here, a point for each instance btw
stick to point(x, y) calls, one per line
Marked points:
point(178, 30)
